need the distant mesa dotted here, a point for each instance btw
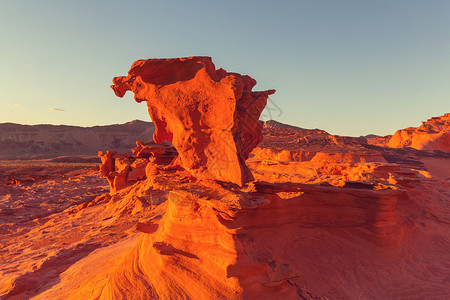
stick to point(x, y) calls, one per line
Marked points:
point(211, 116)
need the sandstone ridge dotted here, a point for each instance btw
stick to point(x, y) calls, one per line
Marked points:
point(433, 134)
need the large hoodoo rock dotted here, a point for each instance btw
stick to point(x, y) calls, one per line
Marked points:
point(211, 116)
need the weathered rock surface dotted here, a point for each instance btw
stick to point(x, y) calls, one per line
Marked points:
point(211, 116)
point(122, 170)
point(434, 134)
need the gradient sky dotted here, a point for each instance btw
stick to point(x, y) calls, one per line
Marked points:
point(348, 67)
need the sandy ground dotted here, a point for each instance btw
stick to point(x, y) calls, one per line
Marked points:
point(36, 233)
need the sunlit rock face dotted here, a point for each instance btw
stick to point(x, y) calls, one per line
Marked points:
point(211, 116)
point(434, 134)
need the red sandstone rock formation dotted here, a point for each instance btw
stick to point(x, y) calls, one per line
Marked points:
point(122, 170)
point(328, 217)
point(211, 116)
point(434, 134)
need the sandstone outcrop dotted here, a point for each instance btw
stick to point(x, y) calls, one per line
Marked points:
point(434, 134)
point(211, 116)
point(122, 170)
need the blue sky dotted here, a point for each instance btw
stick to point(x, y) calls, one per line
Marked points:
point(348, 67)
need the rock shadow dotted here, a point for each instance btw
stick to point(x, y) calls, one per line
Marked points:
point(167, 249)
point(42, 279)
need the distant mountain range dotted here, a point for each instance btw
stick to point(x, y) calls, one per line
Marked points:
point(37, 140)
point(44, 141)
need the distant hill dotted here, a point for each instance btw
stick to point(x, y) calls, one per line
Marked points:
point(43, 141)
point(24, 140)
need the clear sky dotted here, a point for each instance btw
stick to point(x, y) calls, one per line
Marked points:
point(348, 67)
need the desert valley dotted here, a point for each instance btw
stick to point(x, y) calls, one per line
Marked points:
point(208, 202)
